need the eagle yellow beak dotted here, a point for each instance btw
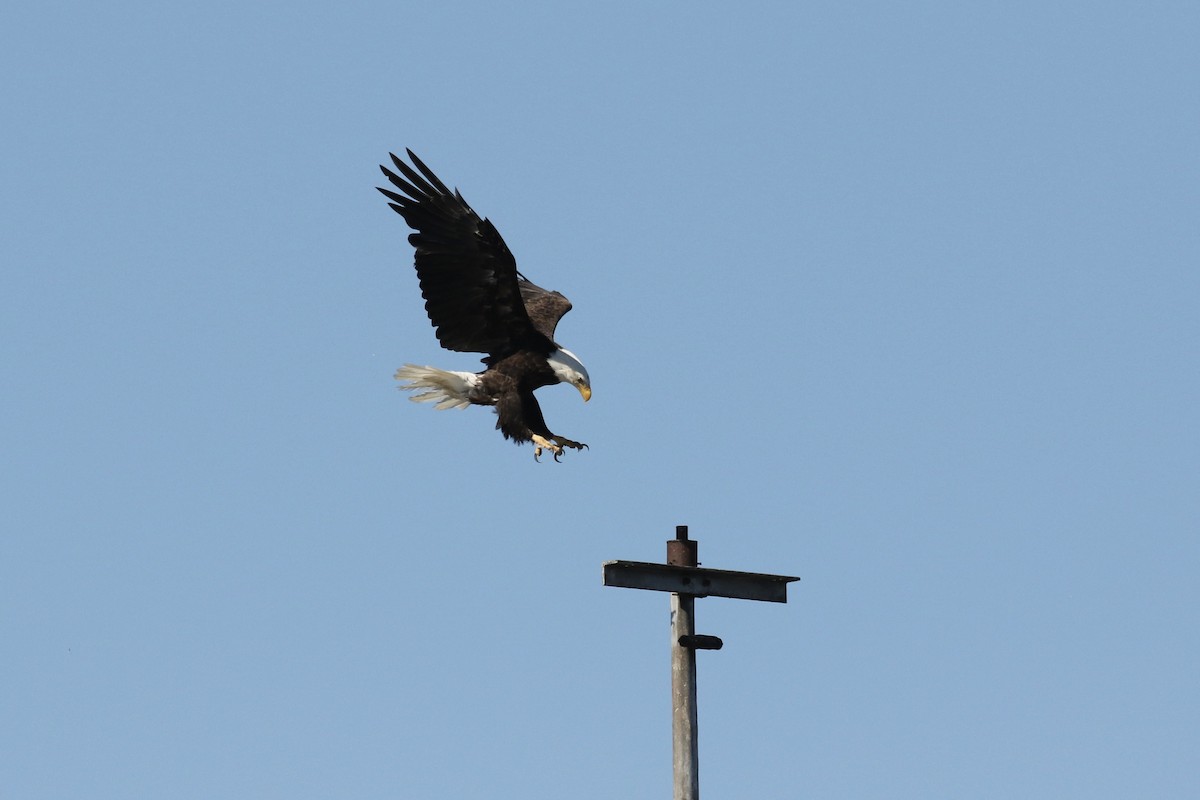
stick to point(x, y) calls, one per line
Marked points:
point(586, 391)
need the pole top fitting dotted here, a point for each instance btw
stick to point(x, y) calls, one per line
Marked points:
point(682, 551)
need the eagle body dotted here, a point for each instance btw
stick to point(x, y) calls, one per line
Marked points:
point(478, 302)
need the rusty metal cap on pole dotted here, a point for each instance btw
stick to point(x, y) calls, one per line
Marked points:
point(682, 551)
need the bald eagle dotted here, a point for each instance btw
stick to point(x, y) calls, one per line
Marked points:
point(479, 303)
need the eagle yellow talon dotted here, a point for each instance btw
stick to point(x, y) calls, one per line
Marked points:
point(555, 445)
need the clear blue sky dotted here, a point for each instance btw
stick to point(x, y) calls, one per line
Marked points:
point(900, 298)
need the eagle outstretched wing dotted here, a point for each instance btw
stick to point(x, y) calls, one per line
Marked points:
point(475, 298)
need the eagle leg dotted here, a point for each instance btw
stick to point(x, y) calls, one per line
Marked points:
point(554, 444)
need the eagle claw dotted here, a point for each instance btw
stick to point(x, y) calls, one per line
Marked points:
point(555, 445)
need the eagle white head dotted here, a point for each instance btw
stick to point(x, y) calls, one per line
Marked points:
point(569, 369)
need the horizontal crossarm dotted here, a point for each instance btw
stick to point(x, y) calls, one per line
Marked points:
point(697, 581)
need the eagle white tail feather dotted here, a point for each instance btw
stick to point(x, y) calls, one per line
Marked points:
point(438, 386)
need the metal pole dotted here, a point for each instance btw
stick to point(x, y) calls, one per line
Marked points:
point(684, 745)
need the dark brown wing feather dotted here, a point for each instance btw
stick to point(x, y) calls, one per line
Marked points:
point(545, 308)
point(468, 276)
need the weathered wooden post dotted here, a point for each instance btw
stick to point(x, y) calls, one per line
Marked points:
point(685, 749)
point(685, 580)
